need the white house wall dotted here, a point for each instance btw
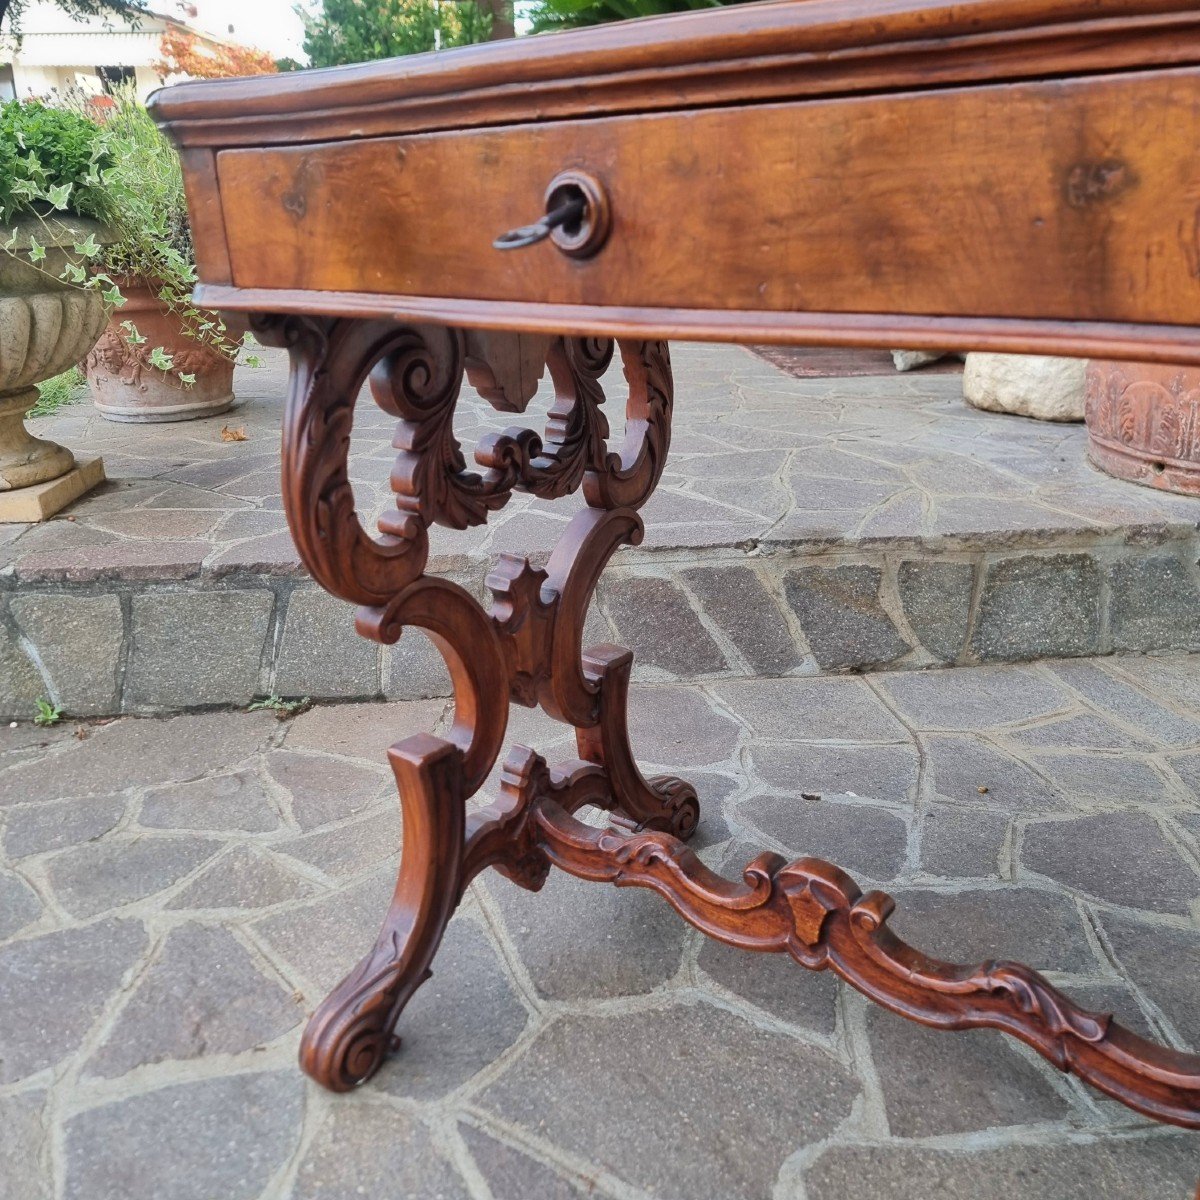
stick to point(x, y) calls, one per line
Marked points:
point(57, 53)
point(41, 81)
point(123, 49)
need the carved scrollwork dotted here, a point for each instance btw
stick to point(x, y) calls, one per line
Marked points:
point(329, 362)
point(576, 427)
point(416, 374)
point(629, 477)
point(814, 911)
point(419, 382)
point(540, 614)
point(351, 1031)
point(469, 644)
point(529, 649)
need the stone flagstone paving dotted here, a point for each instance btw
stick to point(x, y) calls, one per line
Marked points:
point(176, 895)
point(802, 526)
point(840, 461)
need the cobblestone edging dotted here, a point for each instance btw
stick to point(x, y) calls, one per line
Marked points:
point(104, 647)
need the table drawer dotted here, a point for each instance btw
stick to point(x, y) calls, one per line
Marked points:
point(1076, 200)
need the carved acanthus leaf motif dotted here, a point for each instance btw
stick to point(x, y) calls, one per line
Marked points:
point(677, 801)
point(330, 360)
point(812, 910)
point(576, 427)
point(1167, 438)
point(1144, 424)
point(1035, 997)
point(421, 384)
point(627, 479)
point(1128, 423)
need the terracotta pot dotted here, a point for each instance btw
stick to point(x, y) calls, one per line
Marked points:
point(1144, 424)
point(45, 326)
point(127, 387)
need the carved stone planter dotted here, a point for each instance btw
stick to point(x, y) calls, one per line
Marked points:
point(126, 386)
point(45, 327)
point(1144, 424)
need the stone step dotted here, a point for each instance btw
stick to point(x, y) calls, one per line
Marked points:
point(804, 526)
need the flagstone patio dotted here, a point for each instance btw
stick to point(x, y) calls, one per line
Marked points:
point(863, 522)
point(176, 895)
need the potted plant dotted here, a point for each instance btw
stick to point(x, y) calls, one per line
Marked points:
point(161, 358)
point(54, 210)
point(1143, 422)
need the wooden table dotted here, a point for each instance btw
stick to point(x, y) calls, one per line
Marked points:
point(988, 174)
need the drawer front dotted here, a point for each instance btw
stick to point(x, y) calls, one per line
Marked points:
point(1073, 200)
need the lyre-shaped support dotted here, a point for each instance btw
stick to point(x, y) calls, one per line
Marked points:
point(528, 650)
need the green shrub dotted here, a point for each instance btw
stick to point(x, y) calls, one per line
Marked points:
point(548, 15)
point(149, 215)
point(125, 174)
point(51, 160)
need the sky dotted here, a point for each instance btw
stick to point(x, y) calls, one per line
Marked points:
point(269, 25)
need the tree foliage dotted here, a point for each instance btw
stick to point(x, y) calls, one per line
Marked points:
point(128, 11)
point(548, 15)
point(348, 31)
point(181, 52)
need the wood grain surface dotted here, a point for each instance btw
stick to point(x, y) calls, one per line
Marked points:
point(1062, 200)
point(725, 56)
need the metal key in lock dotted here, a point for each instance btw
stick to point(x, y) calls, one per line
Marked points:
point(569, 212)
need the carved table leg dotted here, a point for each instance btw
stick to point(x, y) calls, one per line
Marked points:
point(528, 650)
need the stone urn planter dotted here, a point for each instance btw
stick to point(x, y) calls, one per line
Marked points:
point(125, 384)
point(1143, 424)
point(46, 326)
point(1026, 385)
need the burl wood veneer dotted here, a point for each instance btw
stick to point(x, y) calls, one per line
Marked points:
point(987, 174)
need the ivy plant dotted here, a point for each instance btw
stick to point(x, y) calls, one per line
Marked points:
point(51, 160)
point(55, 161)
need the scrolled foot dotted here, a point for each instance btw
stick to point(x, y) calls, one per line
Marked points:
point(663, 803)
point(351, 1031)
point(681, 805)
point(350, 1034)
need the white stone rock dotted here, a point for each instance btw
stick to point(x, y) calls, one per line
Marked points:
point(910, 360)
point(1028, 385)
